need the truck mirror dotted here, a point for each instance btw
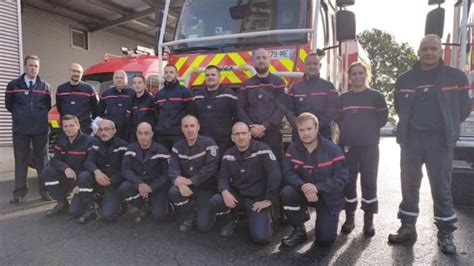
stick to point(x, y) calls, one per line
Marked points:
point(239, 12)
point(341, 3)
point(345, 25)
point(435, 22)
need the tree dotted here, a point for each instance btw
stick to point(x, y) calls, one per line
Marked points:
point(388, 59)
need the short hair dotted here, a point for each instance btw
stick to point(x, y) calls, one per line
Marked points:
point(213, 67)
point(28, 57)
point(112, 123)
point(70, 117)
point(139, 76)
point(173, 66)
point(303, 117)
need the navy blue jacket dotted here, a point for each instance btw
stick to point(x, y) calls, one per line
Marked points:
point(314, 95)
point(172, 103)
point(107, 158)
point(150, 168)
point(71, 155)
point(451, 87)
point(198, 162)
point(216, 111)
point(143, 110)
point(29, 106)
point(325, 167)
point(361, 115)
point(80, 100)
point(254, 173)
point(116, 105)
point(262, 101)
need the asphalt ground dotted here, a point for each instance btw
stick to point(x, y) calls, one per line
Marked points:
point(29, 238)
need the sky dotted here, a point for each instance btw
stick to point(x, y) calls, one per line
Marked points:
point(405, 19)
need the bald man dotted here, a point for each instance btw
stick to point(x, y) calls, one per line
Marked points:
point(145, 169)
point(431, 100)
point(262, 104)
point(116, 103)
point(77, 98)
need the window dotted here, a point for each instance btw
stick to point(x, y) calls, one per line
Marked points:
point(79, 39)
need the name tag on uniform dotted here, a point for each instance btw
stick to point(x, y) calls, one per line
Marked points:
point(260, 96)
point(209, 107)
point(242, 170)
point(27, 92)
point(425, 90)
point(301, 99)
point(191, 168)
point(73, 102)
point(120, 105)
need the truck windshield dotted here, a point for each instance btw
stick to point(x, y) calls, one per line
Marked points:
point(203, 18)
point(103, 81)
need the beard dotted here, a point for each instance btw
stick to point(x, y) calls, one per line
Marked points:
point(261, 70)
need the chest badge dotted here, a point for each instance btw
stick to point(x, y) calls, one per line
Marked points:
point(242, 170)
point(209, 107)
point(27, 92)
point(406, 95)
point(425, 90)
point(301, 99)
point(120, 105)
point(73, 102)
point(260, 96)
point(191, 168)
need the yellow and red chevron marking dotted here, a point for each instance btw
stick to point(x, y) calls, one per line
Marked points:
point(186, 63)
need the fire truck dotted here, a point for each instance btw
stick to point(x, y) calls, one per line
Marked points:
point(458, 53)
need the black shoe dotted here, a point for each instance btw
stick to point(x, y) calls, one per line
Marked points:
point(45, 196)
point(123, 209)
point(60, 209)
point(141, 215)
point(228, 228)
point(369, 229)
point(446, 242)
point(16, 200)
point(88, 216)
point(187, 224)
point(298, 236)
point(349, 224)
point(407, 232)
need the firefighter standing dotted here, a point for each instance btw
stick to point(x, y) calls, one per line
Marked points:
point(172, 103)
point(315, 95)
point(77, 98)
point(431, 101)
point(143, 107)
point(105, 162)
point(315, 173)
point(116, 103)
point(145, 168)
point(216, 109)
point(362, 112)
point(249, 179)
point(193, 170)
point(67, 172)
point(262, 104)
point(28, 100)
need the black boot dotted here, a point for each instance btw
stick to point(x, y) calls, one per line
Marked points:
point(188, 222)
point(89, 215)
point(406, 232)
point(348, 225)
point(298, 236)
point(369, 229)
point(141, 215)
point(229, 227)
point(446, 242)
point(61, 208)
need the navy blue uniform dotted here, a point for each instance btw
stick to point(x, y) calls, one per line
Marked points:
point(253, 175)
point(199, 163)
point(263, 101)
point(317, 96)
point(71, 155)
point(78, 100)
point(29, 106)
point(217, 113)
point(361, 115)
point(116, 105)
point(172, 103)
point(424, 139)
point(143, 110)
point(149, 167)
point(326, 168)
point(107, 157)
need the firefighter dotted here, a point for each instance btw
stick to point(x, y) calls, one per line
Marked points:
point(66, 172)
point(315, 95)
point(28, 100)
point(143, 106)
point(315, 174)
point(77, 98)
point(431, 100)
point(362, 112)
point(216, 109)
point(193, 171)
point(145, 168)
point(262, 104)
point(116, 103)
point(172, 103)
point(105, 162)
point(249, 179)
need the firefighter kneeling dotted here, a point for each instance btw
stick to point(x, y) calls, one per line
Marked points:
point(315, 173)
